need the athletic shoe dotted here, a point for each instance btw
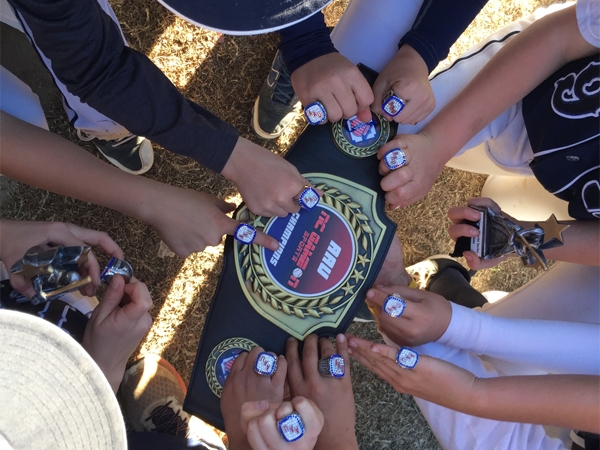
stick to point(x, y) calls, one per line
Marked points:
point(276, 105)
point(426, 271)
point(131, 153)
point(582, 440)
point(152, 394)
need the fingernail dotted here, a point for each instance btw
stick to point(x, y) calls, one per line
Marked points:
point(352, 343)
point(290, 339)
point(370, 294)
point(341, 338)
point(262, 405)
point(374, 349)
point(349, 351)
point(474, 232)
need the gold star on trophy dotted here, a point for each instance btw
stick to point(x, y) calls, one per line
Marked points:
point(553, 237)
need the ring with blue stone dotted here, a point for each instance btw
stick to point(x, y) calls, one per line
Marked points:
point(392, 105)
point(245, 233)
point(407, 358)
point(308, 198)
point(315, 113)
point(265, 364)
point(291, 427)
point(395, 158)
point(394, 306)
point(334, 366)
point(114, 267)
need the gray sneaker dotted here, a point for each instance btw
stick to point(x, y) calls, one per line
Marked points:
point(131, 153)
point(276, 105)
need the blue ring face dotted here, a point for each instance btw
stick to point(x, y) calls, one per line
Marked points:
point(394, 306)
point(337, 366)
point(407, 358)
point(291, 427)
point(315, 113)
point(395, 158)
point(392, 105)
point(309, 198)
point(245, 233)
point(107, 269)
point(265, 364)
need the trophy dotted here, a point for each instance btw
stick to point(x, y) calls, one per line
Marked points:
point(500, 236)
point(54, 271)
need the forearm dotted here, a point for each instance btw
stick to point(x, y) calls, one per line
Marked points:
point(438, 25)
point(568, 401)
point(522, 64)
point(534, 343)
point(581, 243)
point(42, 159)
point(305, 41)
point(88, 55)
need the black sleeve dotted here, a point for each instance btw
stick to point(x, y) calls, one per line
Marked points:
point(438, 25)
point(89, 57)
point(305, 41)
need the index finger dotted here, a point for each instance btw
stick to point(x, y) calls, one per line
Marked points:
point(378, 295)
point(459, 214)
point(262, 239)
point(97, 238)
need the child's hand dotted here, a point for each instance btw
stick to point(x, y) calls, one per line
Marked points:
point(425, 318)
point(333, 396)
point(431, 379)
point(259, 420)
point(188, 221)
point(17, 237)
point(337, 83)
point(408, 76)
point(243, 385)
point(117, 326)
point(410, 183)
point(458, 215)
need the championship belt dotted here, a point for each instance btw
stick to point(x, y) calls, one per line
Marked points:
point(316, 281)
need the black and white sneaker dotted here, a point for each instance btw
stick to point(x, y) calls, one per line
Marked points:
point(583, 440)
point(276, 105)
point(131, 153)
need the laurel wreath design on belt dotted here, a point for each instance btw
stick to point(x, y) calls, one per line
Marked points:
point(353, 150)
point(254, 274)
point(213, 358)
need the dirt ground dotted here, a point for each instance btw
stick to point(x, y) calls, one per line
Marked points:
point(225, 74)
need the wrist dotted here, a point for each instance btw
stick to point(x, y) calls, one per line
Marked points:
point(441, 149)
point(235, 161)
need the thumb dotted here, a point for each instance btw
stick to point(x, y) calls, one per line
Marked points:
point(364, 115)
point(112, 297)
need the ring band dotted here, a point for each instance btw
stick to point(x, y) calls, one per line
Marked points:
point(315, 113)
point(291, 427)
point(394, 305)
point(265, 364)
point(407, 358)
point(245, 233)
point(333, 367)
point(308, 198)
point(395, 158)
point(392, 105)
point(114, 267)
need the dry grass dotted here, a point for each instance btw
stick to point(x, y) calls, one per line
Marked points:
point(225, 74)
